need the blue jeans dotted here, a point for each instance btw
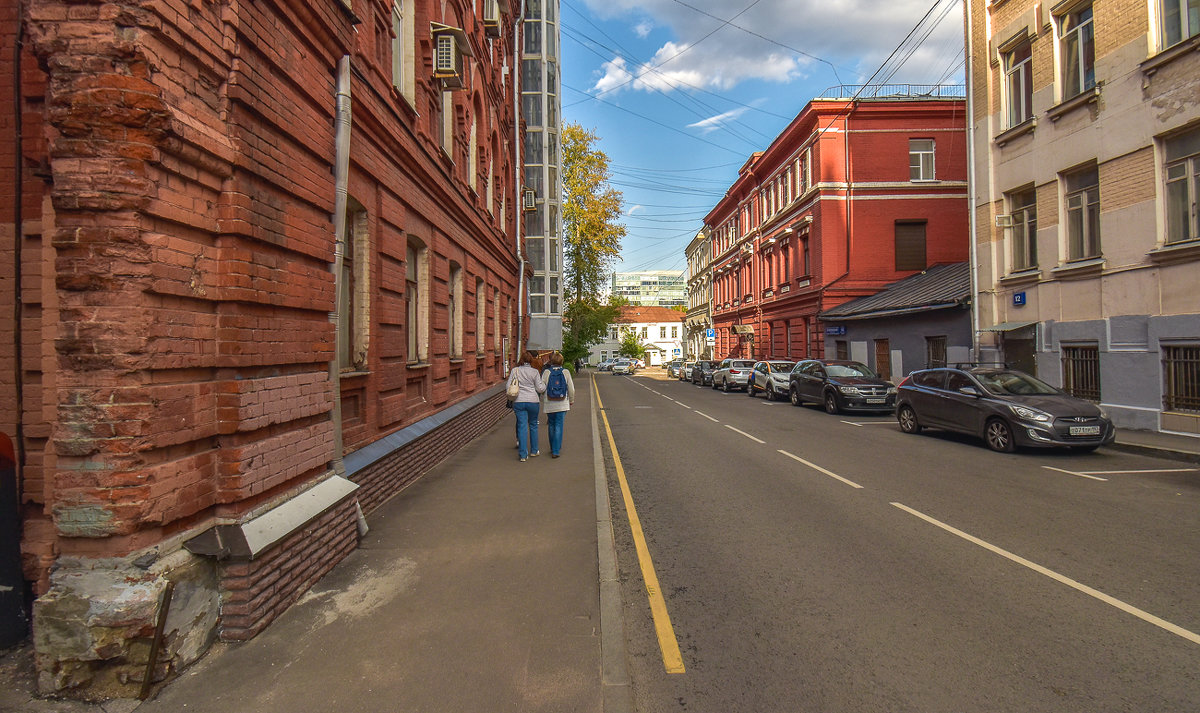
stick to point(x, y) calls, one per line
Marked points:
point(527, 426)
point(556, 430)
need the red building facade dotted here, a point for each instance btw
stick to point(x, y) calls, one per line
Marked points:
point(259, 268)
point(852, 196)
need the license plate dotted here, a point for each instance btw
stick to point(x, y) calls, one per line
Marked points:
point(877, 401)
point(1085, 430)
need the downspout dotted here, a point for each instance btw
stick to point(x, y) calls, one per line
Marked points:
point(18, 239)
point(518, 204)
point(341, 174)
point(973, 245)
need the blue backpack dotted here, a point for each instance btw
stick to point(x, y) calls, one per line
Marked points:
point(556, 388)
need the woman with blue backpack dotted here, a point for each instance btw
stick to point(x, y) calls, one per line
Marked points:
point(559, 395)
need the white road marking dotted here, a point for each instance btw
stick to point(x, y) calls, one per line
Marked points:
point(1071, 472)
point(1112, 601)
point(710, 418)
point(869, 423)
point(818, 468)
point(747, 435)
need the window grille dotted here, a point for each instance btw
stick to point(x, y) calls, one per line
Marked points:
point(1081, 372)
point(935, 352)
point(1181, 372)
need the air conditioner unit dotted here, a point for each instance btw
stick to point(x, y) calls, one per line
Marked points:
point(530, 199)
point(491, 18)
point(447, 62)
point(1004, 221)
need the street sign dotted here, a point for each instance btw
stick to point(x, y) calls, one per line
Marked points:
point(835, 331)
point(710, 335)
point(1018, 298)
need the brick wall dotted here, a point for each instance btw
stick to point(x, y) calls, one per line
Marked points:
point(257, 591)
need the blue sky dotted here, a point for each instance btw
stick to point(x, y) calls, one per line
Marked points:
point(681, 92)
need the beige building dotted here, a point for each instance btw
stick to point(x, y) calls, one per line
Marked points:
point(699, 296)
point(1086, 133)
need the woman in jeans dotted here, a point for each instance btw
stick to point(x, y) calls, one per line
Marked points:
point(556, 409)
point(528, 405)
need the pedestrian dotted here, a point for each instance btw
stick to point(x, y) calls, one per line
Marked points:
point(559, 396)
point(527, 405)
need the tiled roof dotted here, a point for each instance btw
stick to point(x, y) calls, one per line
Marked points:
point(636, 313)
point(938, 287)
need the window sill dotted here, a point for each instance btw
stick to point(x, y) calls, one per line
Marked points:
point(1078, 269)
point(417, 365)
point(1170, 54)
point(1088, 96)
point(458, 361)
point(1175, 252)
point(1025, 127)
point(353, 373)
point(1019, 277)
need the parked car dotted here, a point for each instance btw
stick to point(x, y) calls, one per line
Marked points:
point(732, 374)
point(840, 385)
point(771, 378)
point(1005, 407)
point(673, 368)
point(685, 371)
point(605, 365)
point(702, 372)
point(622, 366)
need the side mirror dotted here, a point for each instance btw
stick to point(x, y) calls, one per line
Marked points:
point(969, 391)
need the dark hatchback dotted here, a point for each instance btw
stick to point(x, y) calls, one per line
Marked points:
point(840, 385)
point(1005, 407)
point(702, 372)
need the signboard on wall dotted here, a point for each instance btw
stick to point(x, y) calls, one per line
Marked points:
point(838, 331)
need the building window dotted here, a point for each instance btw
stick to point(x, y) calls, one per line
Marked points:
point(1181, 371)
point(645, 332)
point(1083, 213)
point(804, 264)
point(473, 156)
point(910, 246)
point(1023, 209)
point(1081, 372)
point(355, 292)
point(1182, 155)
point(496, 320)
point(480, 316)
point(1078, 47)
point(1018, 84)
point(662, 332)
point(842, 348)
point(674, 332)
point(454, 319)
point(403, 47)
point(935, 352)
point(920, 160)
point(446, 123)
point(1180, 20)
point(416, 296)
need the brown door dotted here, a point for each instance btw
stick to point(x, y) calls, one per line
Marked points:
point(883, 359)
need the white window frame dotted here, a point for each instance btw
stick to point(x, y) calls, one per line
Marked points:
point(921, 164)
point(1076, 51)
point(1018, 84)
point(1023, 233)
point(417, 305)
point(403, 52)
point(1181, 174)
point(1179, 20)
point(1081, 210)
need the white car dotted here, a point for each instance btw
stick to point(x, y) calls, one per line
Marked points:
point(622, 366)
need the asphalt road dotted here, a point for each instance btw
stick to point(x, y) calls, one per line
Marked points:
point(840, 565)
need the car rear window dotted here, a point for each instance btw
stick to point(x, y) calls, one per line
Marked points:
point(742, 364)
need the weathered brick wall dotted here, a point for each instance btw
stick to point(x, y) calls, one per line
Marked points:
point(257, 591)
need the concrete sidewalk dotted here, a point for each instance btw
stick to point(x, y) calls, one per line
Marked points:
point(477, 589)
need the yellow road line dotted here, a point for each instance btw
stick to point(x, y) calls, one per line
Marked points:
point(667, 642)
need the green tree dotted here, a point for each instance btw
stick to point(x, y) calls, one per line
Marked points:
point(591, 241)
point(631, 346)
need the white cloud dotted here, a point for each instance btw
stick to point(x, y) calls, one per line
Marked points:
point(634, 209)
point(712, 123)
point(801, 38)
point(642, 29)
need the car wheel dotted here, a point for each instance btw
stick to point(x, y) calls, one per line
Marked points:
point(770, 393)
point(725, 385)
point(908, 420)
point(831, 404)
point(794, 396)
point(999, 437)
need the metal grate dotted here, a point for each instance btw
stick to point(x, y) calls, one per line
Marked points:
point(1081, 372)
point(1181, 373)
point(935, 352)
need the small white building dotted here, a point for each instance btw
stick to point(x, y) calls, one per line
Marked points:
point(660, 330)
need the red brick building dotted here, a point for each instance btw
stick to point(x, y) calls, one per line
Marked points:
point(852, 196)
point(259, 273)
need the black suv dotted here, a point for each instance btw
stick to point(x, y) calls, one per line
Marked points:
point(1005, 407)
point(840, 385)
point(702, 372)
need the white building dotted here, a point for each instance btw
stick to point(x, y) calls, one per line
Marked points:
point(657, 288)
point(659, 329)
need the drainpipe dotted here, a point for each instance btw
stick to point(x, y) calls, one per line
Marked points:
point(341, 181)
point(973, 245)
point(518, 204)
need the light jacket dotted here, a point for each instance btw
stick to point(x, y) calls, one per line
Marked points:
point(531, 383)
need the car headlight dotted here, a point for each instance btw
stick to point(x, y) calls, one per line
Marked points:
point(1031, 414)
point(892, 390)
point(852, 390)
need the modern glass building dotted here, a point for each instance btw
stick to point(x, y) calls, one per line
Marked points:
point(651, 288)
point(541, 110)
